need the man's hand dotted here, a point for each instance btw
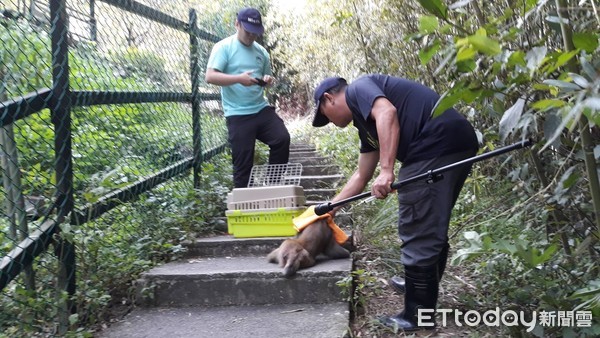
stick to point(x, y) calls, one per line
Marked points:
point(383, 184)
point(246, 78)
point(269, 79)
point(260, 82)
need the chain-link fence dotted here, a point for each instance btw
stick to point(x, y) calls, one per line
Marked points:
point(100, 101)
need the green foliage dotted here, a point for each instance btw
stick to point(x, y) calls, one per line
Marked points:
point(519, 248)
point(25, 59)
point(141, 138)
point(113, 147)
point(590, 295)
point(505, 66)
point(27, 312)
point(357, 287)
point(147, 64)
point(200, 210)
point(435, 7)
point(115, 249)
point(218, 17)
point(513, 260)
point(261, 153)
point(333, 140)
point(25, 67)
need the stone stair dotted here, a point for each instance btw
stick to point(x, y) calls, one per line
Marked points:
point(320, 177)
point(224, 287)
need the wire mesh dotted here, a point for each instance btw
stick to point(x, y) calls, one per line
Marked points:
point(275, 174)
point(115, 143)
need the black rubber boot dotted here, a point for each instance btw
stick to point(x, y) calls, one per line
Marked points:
point(442, 261)
point(397, 283)
point(422, 284)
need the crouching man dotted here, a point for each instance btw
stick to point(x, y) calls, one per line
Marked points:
point(393, 118)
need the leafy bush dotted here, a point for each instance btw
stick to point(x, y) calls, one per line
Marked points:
point(25, 58)
point(116, 248)
point(145, 64)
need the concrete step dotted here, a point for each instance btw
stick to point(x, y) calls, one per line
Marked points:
point(321, 194)
point(295, 146)
point(304, 148)
point(229, 246)
point(226, 288)
point(312, 160)
point(250, 280)
point(301, 154)
point(266, 321)
point(320, 169)
point(320, 181)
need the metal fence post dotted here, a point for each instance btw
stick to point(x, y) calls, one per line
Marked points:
point(93, 22)
point(61, 119)
point(15, 201)
point(195, 98)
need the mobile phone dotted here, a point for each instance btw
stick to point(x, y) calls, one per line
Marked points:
point(261, 82)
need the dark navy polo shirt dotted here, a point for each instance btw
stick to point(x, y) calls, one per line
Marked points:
point(421, 137)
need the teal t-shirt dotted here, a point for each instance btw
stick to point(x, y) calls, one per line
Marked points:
point(230, 56)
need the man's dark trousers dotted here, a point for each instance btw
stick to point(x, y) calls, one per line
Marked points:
point(265, 126)
point(425, 209)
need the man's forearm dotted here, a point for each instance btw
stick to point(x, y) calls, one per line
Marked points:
point(388, 130)
point(354, 186)
point(367, 162)
point(221, 79)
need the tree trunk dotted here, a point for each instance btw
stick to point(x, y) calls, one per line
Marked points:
point(583, 123)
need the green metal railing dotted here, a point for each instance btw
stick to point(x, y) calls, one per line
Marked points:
point(94, 113)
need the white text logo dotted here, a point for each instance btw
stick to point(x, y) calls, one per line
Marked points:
point(497, 317)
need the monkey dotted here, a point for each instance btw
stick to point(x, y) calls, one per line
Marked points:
point(301, 251)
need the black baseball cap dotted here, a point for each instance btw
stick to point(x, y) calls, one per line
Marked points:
point(251, 20)
point(325, 85)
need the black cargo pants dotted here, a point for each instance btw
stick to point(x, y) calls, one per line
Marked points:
point(424, 209)
point(243, 131)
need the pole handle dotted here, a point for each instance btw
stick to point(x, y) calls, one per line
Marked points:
point(430, 176)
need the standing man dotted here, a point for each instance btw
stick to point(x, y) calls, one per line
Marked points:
point(393, 118)
point(242, 68)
